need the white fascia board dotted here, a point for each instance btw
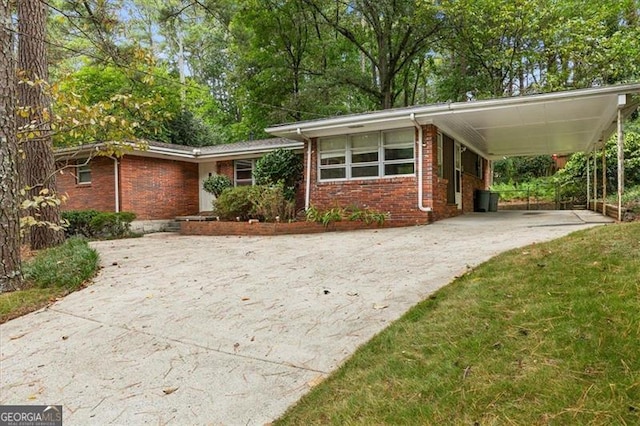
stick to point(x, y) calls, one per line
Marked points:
point(396, 117)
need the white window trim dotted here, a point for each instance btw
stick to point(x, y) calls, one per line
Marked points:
point(348, 165)
point(83, 167)
point(237, 181)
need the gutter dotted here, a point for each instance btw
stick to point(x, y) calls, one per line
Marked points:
point(421, 206)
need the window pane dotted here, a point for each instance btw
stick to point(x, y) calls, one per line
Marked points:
point(338, 173)
point(369, 140)
point(399, 137)
point(243, 175)
point(83, 173)
point(364, 157)
point(398, 169)
point(366, 171)
point(329, 158)
point(333, 144)
point(398, 153)
point(244, 164)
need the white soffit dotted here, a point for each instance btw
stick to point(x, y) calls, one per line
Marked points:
point(553, 123)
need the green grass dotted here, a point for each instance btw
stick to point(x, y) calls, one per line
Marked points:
point(51, 274)
point(548, 334)
point(541, 189)
point(630, 198)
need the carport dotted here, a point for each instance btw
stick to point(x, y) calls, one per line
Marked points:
point(555, 123)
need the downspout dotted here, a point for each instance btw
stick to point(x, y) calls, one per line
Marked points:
point(116, 183)
point(307, 189)
point(421, 206)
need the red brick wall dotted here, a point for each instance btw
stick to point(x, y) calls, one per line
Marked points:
point(397, 195)
point(97, 195)
point(226, 168)
point(155, 188)
point(469, 185)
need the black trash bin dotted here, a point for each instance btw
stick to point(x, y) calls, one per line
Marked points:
point(482, 200)
point(493, 201)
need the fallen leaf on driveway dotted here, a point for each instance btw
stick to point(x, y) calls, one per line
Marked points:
point(376, 306)
point(17, 336)
point(315, 381)
point(168, 391)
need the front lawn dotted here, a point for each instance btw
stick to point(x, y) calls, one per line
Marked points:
point(49, 275)
point(547, 334)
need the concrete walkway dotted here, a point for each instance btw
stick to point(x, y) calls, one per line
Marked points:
point(233, 330)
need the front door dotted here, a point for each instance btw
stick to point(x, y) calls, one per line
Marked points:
point(457, 153)
point(206, 199)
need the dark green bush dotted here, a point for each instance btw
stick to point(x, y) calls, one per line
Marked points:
point(65, 266)
point(79, 222)
point(216, 184)
point(112, 225)
point(280, 166)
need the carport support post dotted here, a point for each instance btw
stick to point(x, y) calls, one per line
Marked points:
point(589, 182)
point(604, 179)
point(621, 103)
point(595, 180)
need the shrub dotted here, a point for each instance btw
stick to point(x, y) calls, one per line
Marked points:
point(216, 184)
point(65, 266)
point(79, 222)
point(263, 202)
point(336, 214)
point(236, 203)
point(280, 166)
point(270, 204)
point(112, 225)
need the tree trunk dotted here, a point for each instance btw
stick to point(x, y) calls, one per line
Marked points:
point(38, 167)
point(10, 273)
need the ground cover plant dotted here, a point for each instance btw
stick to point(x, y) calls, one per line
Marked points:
point(50, 274)
point(547, 334)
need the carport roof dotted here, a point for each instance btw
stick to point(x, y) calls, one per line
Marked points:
point(552, 123)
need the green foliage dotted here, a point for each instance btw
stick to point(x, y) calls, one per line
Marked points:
point(280, 166)
point(68, 265)
point(236, 203)
point(216, 184)
point(533, 189)
point(95, 224)
point(352, 213)
point(271, 204)
point(79, 222)
point(112, 225)
point(187, 129)
point(574, 175)
point(262, 202)
point(517, 170)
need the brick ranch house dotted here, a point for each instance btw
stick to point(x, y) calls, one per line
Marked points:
point(420, 163)
point(158, 183)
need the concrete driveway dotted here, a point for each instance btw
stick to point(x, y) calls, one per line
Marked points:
point(233, 330)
